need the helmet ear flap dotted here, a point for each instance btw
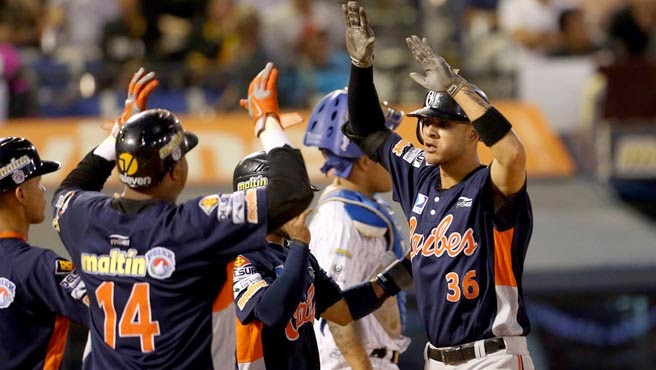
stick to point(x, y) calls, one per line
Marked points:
point(419, 133)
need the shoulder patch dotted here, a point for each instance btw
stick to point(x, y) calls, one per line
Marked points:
point(63, 266)
point(209, 203)
point(7, 292)
point(398, 148)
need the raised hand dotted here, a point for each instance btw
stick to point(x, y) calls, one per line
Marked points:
point(262, 97)
point(439, 74)
point(359, 36)
point(141, 85)
point(297, 228)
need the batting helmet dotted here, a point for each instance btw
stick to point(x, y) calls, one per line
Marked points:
point(149, 145)
point(253, 171)
point(19, 161)
point(440, 104)
point(325, 131)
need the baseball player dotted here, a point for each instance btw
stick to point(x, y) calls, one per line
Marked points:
point(154, 268)
point(39, 290)
point(280, 290)
point(470, 224)
point(362, 229)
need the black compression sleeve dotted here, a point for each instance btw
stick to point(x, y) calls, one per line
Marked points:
point(288, 191)
point(90, 174)
point(279, 300)
point(365, 114)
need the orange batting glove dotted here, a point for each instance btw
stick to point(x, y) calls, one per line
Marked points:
point(139, 90)
point(262, 97)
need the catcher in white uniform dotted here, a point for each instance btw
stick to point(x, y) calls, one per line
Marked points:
point(363, 237)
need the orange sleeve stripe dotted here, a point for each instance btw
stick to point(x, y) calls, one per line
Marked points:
point(249, 341)
point(55, 351)
point(225, 297)
point(503, 272)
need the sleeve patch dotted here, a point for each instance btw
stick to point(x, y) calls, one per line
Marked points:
point(251, 210)
point(250, 292)
point(411, 155)
point(209, 203)
point(398, 148)
point(63, 266)
point(238, 207)
point(225, 207)
point(419, 160)
point(74, 285)
point(7, 292)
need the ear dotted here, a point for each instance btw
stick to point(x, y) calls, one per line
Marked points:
point(473, 135)
point(176, 172)
point(364, 162)
point(21, 195)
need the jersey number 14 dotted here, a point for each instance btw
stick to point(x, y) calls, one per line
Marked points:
point(136, 320)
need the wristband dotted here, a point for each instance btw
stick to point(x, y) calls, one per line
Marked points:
point(491, 126)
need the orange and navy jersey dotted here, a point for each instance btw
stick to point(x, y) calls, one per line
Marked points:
point(153, 275)
point(37, 300)
point(291, 343)
point(467, 256)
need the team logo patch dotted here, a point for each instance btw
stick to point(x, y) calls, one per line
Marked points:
point(420, 203)
point(161, 263)
point(18, 177)
point(63, 266)
point(251, 206)
point(7, 292)
point(209, 203)
point(464, 202)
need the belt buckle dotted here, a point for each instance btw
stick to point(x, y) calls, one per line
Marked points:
point(452, 355)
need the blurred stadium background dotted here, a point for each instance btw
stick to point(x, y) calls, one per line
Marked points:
point(576, 77)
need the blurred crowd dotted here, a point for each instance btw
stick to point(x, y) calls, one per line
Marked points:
point(69, 57)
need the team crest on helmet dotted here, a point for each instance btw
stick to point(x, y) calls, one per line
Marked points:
point(160, 262)
point(7, 292)
point(18, 177)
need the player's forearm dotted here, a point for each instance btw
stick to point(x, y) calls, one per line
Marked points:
point(365, 114)
point(90, 174)
point(347, 339)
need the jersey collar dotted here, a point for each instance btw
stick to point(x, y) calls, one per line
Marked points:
point(12, 235)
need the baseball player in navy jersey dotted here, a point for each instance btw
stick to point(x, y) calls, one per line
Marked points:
point(361, 231)
point(39, 290)
point(470, 224)
point(280, 290)
point(154, 268)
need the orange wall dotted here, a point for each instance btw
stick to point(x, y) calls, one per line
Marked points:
point(226, 138)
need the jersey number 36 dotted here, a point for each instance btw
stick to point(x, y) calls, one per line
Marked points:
point(136, 320)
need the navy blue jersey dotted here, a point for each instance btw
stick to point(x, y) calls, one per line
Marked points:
point(292, 344)
point(153, 275)
point(467, 257)
point(37, 289)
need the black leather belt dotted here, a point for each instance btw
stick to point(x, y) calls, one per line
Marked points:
point(382, 352)
point(465, 352)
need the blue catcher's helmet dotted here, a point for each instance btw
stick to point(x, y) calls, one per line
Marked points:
point(325, 132)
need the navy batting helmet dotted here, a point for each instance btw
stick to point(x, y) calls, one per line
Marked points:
point(253, 171)
point(439, 104)
point(19, 161)
point(149, 145)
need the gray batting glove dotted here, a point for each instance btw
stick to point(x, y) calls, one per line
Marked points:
point(359, 36)
point(439, 74)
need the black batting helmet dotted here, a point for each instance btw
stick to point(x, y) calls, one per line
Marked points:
point(19, 161)
point(149, 145)
point(253, 171)
point(439, 104)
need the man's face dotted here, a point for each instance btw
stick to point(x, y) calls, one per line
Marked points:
point(444, 141)
point(35, 199)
